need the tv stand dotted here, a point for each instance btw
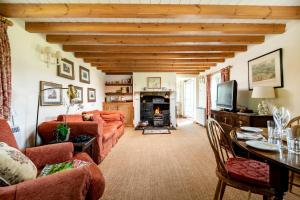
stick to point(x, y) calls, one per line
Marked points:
point(231, 120)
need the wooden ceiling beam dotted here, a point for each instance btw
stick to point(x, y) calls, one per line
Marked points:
point(148, 11)
point(132, 69)
point(159, 67)
point(170, 40)
point(153, 49)
point(125, 65)
point(152, 28)
point(154, 55)
point(93, 60)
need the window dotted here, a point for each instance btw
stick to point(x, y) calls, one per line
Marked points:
point(215, 79)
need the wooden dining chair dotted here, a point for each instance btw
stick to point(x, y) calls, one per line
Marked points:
point(240, 173)
point(293, 122)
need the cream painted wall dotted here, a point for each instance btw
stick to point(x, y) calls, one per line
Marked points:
point(289, 95)
point(28, 70)
point(168, 80)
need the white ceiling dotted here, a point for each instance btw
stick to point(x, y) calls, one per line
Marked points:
point(223, 2)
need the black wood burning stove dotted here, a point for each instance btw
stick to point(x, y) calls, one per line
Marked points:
point(155, 108)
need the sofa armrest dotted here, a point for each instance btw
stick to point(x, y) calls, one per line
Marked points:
point(49, 154)
point(108, 112)
point(71, 184)
point(46, 129)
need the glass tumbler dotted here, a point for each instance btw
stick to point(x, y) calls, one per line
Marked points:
point(293, 139)
point(271, 127)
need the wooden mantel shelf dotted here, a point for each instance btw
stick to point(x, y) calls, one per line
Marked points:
point(117, 94)
point(119, 84)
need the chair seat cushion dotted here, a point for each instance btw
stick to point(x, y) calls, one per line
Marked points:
point(250, 171)
point(116, 124)
point(108, 132)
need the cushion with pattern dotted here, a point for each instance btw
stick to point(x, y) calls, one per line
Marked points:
point(15, 167)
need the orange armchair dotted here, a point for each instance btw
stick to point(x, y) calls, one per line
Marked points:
point(75, 184)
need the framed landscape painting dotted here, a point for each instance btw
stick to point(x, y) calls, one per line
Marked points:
point(66, 69)
point(91, 94)
point(84, 75)
point(79, 94)
point(266, 70)
point(49, 96)
point(154, 82)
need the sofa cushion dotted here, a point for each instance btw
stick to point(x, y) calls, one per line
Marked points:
point(108, 132)
point(116, 124)
point(70, 118)
point(111, 117)
point(247, 170)
point(15, 167)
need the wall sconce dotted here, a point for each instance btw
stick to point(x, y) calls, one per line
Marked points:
point(49, 56)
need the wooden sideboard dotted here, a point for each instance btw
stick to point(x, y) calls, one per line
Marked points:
point(231, 120)
point(126, 107)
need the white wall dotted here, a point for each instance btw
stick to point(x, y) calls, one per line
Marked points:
point(289, 95)
point(168, 80)
point(28, 70)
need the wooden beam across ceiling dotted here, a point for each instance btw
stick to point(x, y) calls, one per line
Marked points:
point(170, 40)
point(153, 49)
point(148, 11)
point(147, 70)
point(153, 55)
point(146, 65)
point(153, 28)
point(95, 60)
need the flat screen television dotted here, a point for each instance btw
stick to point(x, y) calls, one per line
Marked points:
point(226, 95)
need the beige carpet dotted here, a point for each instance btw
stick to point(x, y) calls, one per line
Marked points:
point(177, 166)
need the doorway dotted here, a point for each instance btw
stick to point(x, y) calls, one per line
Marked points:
point(189, 98)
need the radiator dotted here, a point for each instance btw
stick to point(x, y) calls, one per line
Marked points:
point(200, 116)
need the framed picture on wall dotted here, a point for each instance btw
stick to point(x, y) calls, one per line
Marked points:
point(66, 69)
point(79, 94)
point(91, 95)
point(84, 75)
point(153, 82)
point(266, 70)
point(49, 96)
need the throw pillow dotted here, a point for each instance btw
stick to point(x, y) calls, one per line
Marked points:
point(58, 167)
point(15, 167)
point(87, 117)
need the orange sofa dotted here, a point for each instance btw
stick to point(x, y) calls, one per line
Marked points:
point(85, 183)
point(106, 126)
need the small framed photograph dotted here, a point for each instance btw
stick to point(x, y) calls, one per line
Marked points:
point(50, 94)
point(266, 70)
point(66, 69)
point(91, 95)
point(84, 75)
point(79, 94)
point(153, 82)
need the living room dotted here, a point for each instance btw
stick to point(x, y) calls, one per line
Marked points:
point(133, 99)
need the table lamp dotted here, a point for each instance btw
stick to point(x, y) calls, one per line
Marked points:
point(263, 92)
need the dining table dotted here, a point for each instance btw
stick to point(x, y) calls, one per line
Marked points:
point(280, 162)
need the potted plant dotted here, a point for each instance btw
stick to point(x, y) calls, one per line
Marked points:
point(62, 131)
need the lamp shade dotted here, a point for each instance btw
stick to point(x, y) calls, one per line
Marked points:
point(263, 92)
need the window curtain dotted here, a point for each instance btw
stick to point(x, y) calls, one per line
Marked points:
point(5, 73)
point(208, 95)
point(225, 74)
